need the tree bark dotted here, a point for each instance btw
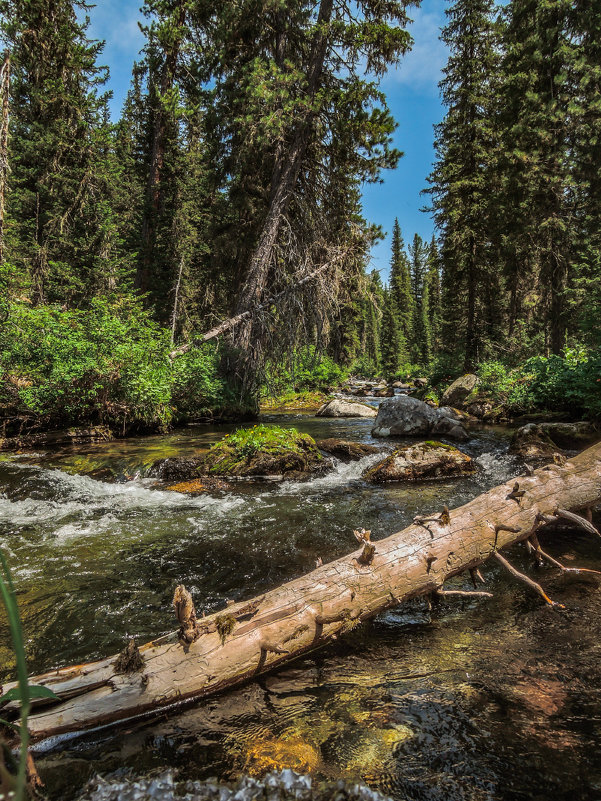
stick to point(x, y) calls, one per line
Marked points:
point(285, 174)
point(246, 639)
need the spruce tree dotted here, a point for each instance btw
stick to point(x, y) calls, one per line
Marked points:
point(392, 344)
point(60, 227)
point(537, 118)
point(461, 179)
point(400, 283)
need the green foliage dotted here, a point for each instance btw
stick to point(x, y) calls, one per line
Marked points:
point(245, 442)
point(570, 383)
point(107, 364)
point(198, 387)
point(306, 369)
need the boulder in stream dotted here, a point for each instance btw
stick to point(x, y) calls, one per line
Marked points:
point(264, 451)
point(404, 416)
point(343, 408)
point(537, 440)
point(459, 390)
point(420, 461)
point(347, 451)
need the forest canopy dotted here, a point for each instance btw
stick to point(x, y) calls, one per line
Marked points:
point(229, 189)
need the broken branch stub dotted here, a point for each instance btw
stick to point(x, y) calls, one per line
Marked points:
point(308, 612)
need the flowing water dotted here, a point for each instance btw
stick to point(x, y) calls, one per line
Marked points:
point(496, 699)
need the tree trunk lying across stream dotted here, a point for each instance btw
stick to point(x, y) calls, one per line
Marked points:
point(213, 653)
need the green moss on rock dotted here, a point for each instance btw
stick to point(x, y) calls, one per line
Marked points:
point(263, 450)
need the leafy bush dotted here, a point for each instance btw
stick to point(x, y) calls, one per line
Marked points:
point(569, 383)
point(106, 364)
point(197, 386)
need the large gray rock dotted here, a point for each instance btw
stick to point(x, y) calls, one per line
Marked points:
point(404, 416)
point(420, 461)
point(459, 390)
point(342, 408)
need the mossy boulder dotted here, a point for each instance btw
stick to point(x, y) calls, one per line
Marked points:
point(347, 451)
point(459, 390)
point(264, 451)
point(423, 460)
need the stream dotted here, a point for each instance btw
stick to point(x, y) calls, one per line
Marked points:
point(476, 699)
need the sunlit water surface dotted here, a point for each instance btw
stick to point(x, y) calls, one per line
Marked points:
point(494, 699)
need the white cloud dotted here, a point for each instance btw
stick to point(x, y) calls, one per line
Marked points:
point(421, 68)
point(116, 21)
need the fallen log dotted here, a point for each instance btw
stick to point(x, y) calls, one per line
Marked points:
point(210, 654)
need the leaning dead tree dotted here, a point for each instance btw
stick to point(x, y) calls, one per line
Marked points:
point(209, 654)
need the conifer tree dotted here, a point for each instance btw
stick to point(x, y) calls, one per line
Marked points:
point(400, 283)
point(537, 119)
point(392, 344)
point(434, 305)
point(61, 231)
point(461, 180)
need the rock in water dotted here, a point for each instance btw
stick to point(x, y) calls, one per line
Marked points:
point(342, 408)
point(420, 461)
point(403, 416)
point(543, 439)
point(345, 450)
point(459, 390)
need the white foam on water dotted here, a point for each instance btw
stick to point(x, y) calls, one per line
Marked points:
point(343, 473)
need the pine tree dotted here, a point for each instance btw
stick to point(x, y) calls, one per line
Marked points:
point(60, 228)
point(392, 344)
point(461, 179)
point(434, 304)
point(400, 283)
point(537, 118)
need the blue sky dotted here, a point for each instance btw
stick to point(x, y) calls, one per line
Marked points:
point(413, 97)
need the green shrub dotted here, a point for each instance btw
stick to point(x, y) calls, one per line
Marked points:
point(307, 368)
point(569, 383)
point(106, 364)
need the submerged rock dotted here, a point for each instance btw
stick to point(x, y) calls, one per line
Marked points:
point(342, 408)
point(285, 785)
point(544, 439)
point(404, 416)
point(420, 461)
point(459, 390)
point(176, 468)
point(347, 451)
point(57, 438)
point(195, 486)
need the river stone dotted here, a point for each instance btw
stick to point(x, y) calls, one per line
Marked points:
point(342, 408)
point(419, 461)
point(404, 416)
point(346, 450)
point(544, 439)
point(459, 390)
point(176, 468)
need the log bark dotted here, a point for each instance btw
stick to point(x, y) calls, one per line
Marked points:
point(211, 654)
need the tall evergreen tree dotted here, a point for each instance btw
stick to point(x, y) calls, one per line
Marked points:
point(400, 283)
point(461, 179)
point(537, 119)
point(60, 229)
point(392, 344)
